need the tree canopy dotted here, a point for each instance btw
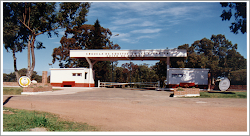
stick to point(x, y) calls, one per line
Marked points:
point(23, 21)
point(11, 77)
point(239, 10)
point(83, 37)
point(217, 53)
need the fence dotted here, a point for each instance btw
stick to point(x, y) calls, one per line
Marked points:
point(141, 84)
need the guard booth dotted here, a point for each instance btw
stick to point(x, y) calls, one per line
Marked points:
point(71, 77)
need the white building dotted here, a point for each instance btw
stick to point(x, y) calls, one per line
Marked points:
point(190, 76)
point(72, 77)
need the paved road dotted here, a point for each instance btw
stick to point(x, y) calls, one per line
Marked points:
point(138, 110)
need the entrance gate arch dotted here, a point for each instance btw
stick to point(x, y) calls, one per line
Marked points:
point(92, 56)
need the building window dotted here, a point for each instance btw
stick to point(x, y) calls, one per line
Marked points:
point(177, 75)
point(76, 74)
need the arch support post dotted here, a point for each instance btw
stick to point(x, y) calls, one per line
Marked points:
point(90, 75)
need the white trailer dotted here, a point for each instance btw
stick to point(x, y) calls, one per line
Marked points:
point(71, 77)
point(189, 76)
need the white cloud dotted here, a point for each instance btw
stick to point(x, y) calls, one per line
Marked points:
point(144, 23)
point(135, 6)
point(113, 28)
point(147, 23)
point(125, 21)
point(131, 16)
point(129, 40)
point(146, 31)
point(150, 8)
point(144, 36)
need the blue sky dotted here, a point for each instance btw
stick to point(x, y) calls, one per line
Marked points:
point(143, 25)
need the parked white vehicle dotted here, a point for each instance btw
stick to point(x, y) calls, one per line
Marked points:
point(189, 76)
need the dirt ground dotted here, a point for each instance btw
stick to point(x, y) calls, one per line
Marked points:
point(112, 109)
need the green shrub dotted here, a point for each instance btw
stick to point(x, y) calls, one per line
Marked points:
point(180, 89)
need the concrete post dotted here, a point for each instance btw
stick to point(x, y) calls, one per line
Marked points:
point(44, 77)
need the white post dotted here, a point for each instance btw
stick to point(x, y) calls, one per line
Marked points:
point(99, 83)
point(167, 70)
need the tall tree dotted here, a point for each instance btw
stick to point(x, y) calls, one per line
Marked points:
point(239, 10)
point(160, 69)
point(128, 70)
point(120, 75)
point(217, 53)
point(97, 39)
point(32, 19)
point(85, 37)
point(12, 37)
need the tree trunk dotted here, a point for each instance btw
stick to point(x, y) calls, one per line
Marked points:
point(28, 74)
point(33, 55)
point(15, 67)
point(30, 70)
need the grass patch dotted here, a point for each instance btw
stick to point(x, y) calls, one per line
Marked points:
point(12, 90)
point(24, 120)
point(17, 90)
point(223, 94)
